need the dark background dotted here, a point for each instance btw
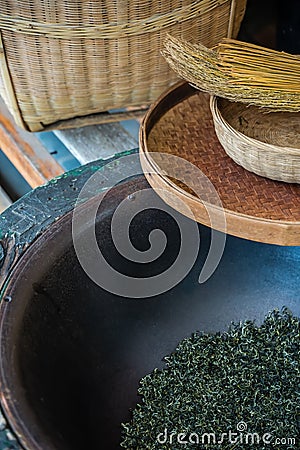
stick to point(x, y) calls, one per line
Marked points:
point(273, 23)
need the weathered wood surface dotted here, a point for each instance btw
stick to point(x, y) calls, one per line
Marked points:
point(5, 201)
point(26, 152)
point(96, 141)
point(35, 212)
point(86, 143)
point(96, 119)
point(7, 439)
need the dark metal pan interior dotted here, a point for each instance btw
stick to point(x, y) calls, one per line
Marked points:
point(72, 354)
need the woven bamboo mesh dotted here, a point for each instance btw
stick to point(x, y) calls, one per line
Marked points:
point(239, 71)
point(267, 144)
point(68, 58)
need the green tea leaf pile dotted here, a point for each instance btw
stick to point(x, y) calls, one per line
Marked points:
point(245, 381)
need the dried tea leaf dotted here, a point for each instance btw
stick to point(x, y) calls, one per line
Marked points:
point(244, 381)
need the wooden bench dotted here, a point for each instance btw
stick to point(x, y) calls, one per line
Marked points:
point(35, 162)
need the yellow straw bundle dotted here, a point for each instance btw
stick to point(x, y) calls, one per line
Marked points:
point(239, 71)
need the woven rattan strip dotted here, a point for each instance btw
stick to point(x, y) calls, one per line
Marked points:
point(187, 130)
point(109, 30)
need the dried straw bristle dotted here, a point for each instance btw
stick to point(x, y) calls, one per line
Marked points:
point(239, 71)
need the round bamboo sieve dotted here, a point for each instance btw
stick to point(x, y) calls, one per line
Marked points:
point(256, 208)
point(267, 144)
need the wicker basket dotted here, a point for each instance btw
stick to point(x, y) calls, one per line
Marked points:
point(70, 58)
point(267, 144)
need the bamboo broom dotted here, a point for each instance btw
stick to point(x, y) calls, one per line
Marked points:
point(239, 71)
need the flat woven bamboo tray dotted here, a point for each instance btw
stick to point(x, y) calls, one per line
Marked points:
point(256, 208)
point(65, 59)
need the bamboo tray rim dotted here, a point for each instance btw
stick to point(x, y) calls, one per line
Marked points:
point(156, 111)
point(252, 141)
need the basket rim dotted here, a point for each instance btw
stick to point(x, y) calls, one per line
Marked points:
point(220, 119)
point(113, 30)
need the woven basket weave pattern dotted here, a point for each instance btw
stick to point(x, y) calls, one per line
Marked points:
point(267, 144)
point(67, 59)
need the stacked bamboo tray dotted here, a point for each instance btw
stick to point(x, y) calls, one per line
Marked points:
point(257, 115)
point(256, 208)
